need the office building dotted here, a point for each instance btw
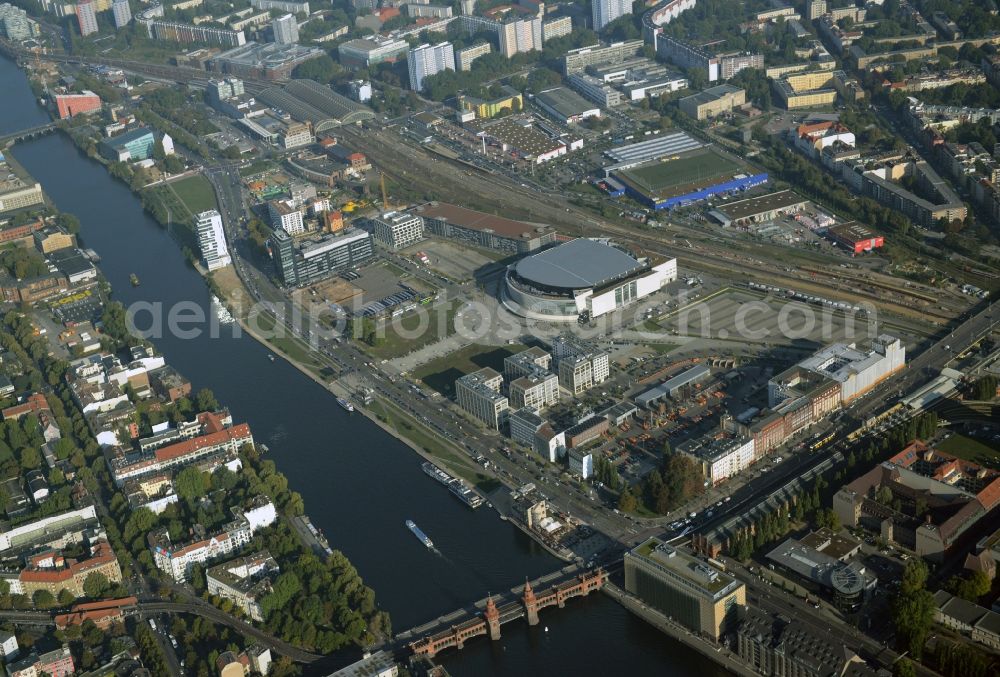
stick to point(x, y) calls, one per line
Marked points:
point(479, 394)
point(122, 13)
point(720, 457)
point(581, 463)
point(15, 24)
point(427, 60)
point(579, 367)
point(520, 35)
point(397, 229)
point(526, 362)
point(820, 562)
point(212, 240)
point(806, 90)
point(295, 135)
point(578, 59)
point(86, 17)
point(713, 101)
point(538, 389)
point(129, 147)
point(312, 259)
point(465, 57)
point(225, 89)
point(774, 644)
point(245, 581)
point(924, 499)
point(286, 29)
point(606, 11)
point(691, 591)
point(285, 216)
point(524, 425)
point(596, 90)
point(368, 52)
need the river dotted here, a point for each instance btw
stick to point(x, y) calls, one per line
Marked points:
point(359, 483)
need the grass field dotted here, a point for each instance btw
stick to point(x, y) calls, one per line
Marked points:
point(441, 373)
point(971, 449)
point(441, 325)
point(660, 177)
point(196, 193)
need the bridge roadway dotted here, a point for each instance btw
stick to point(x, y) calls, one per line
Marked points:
point(475, 610)
point(14, 137)
point(146, 609)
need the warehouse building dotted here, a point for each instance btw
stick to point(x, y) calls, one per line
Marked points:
point(565, 105)
point(483, 230)
point(676, 386)
point(759, 209)
point(855, 237)
point(664, 145)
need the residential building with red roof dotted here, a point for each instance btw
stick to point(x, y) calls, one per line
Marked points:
point(35, 403)
point(54, 573)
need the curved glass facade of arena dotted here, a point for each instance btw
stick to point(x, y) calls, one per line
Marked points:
point(559, 303)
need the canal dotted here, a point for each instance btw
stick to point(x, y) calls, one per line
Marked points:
point(359, 483)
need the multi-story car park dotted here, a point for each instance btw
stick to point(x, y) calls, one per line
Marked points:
point(483, 230)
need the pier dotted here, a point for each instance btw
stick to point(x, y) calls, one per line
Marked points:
point(464, 625)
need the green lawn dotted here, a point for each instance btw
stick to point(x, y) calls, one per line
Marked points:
point(440, 374)
point(971, 449)
point(440, 324)
point(257, 167)
point(293, 347)
point(196, 193)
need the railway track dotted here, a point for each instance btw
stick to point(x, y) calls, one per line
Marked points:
point(432, 175)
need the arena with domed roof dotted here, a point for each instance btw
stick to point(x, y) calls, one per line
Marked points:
point(582, 277)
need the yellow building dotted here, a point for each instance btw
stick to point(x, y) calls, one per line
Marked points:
point(693, 591)
point(511, 100)
point(803, 90)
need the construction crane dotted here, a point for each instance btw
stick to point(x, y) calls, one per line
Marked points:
point(385, 197)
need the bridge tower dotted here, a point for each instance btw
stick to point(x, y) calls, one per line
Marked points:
point(492, 616)
point(530, 604)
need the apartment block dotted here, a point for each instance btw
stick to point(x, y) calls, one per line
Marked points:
point(245, 581)
point(520, 35)
point(465, 57)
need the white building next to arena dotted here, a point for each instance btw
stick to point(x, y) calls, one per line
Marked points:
point(589, 277)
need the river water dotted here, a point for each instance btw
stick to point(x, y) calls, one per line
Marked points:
point(359, 483)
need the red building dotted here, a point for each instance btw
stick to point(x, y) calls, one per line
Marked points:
point(69, 105)
point(855, 237)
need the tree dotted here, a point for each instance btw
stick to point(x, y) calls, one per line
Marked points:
point(66, 598)
point(191, 483)
point(95, 585)
point(43, 599)
point(913, 608)
point(205, 400)
point(627, 501)
point(971, 588)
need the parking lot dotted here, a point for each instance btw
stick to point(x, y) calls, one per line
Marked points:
point(742, 314)
point(450, 260)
